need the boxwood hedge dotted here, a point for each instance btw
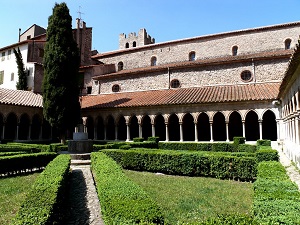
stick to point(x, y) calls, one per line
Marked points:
point(23, 162)
point(122, 201)
point(187, 163)
point(43, 204)
point(276, 197)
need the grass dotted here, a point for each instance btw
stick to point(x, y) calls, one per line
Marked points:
point(194, 199)
point(13, 192)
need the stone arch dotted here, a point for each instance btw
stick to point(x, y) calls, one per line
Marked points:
point(122, 129)
point(160, 127)
point(146, 127)
point(36, 127)
point(24, 127)
point(134, 127)
point(203, 127)
point(90, 127)
point(269, 126)
point(173, 125)
point(110, 128)
point(235, 125)
point(251, 126)
point(188, 127)
point(100, 128)
point(219, 127)
point(11, 126)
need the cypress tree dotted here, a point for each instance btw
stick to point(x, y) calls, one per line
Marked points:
point(61, 107)
point(22, 83)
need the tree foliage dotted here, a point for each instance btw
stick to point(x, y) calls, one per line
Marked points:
point(61, 107)
point(22, 83)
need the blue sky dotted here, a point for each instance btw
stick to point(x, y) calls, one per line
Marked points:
point(165, 20)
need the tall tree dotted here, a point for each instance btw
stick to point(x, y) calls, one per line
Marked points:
point(61, 107)
point(22, 83)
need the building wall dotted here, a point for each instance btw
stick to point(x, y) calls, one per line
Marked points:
point(9, 66)
point(226, 74)
point(210, 46)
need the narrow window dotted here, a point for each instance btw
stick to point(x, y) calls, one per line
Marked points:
point(1, 77)
point(234, 50)
point(134, 44)
point(246, 76)
point(175, 83)
point(89, 90)
point(120, 66)
point(3, 56)
point(192, 56)
point(41, 52)
point(116, 88)
point(12, 77)
point(9, 54)
point(28, 37)
point(153, 61)
point(287, 43)
point(127, 45)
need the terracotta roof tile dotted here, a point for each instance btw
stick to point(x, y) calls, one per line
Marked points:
point(207, 94)
point(22, 98)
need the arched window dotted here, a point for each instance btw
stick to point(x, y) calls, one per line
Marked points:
point(175, 83)
point(134, 44)
point(287, 43)
point(234, 50)
point(127, 45)
point(120, 66)
point(116, 88)
point(192, 56)
point(153, 61)
point(246, 76)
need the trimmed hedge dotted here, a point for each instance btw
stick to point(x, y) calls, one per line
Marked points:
point(44, 203)
point(263, 142)
point(229, 219)
point(18, 148)
point(187, 163)
point(155, 139)
point(138, 139)
point(144, 144)
point(11, 153)
point(276, 197)
point(215, 147)
point(122, 201)
point(23, 162)
point(267, 155)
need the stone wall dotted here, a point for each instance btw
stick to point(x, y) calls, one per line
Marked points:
point(210, 46)
point(225, 74)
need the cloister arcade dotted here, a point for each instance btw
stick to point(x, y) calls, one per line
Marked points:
point(194, 126)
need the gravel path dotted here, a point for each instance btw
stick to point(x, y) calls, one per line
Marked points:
point(84, 206)
point(291, 169)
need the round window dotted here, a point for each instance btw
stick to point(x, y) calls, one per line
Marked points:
point(175, 83)
point(246, 76)
point(116, 88)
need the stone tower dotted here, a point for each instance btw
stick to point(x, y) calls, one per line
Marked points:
point(134, 40)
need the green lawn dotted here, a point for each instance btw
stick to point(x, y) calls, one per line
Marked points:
point(13, 191)
point(193, 199)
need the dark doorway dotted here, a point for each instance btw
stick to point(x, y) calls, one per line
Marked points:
point(160, 127)
point(100, 128)
point(134, 127)
point(188, 128)
point(122, 129)
point(174, 133)
point(251, 126)
point(90, 127)
point(235, 125)
point(24, 127)
point(110, 128)
point(219, 127)
point(203, 127)
point(11, 126)
point(269, 126)
point(147, 127)
point(35, 127)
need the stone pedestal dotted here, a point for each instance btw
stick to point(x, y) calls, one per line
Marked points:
point(80, 142)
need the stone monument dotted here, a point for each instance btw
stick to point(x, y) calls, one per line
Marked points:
point(80, 143)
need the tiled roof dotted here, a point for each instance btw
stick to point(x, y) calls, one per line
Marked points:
point(282, 53)
point(22, 98)
point(207, 94)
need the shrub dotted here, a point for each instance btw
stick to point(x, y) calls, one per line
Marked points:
point(230, 219)
point(238, 140)
point(145, 144)
point(246, 148)
point(263, 143)
point(23, 162)
point(187, 163)
point(276, 198)
point(267, 155)
point(43, 204)
point(138, 139)
point(185, 146)
point(122, 201)
point(155, 139)
point(125, 147)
